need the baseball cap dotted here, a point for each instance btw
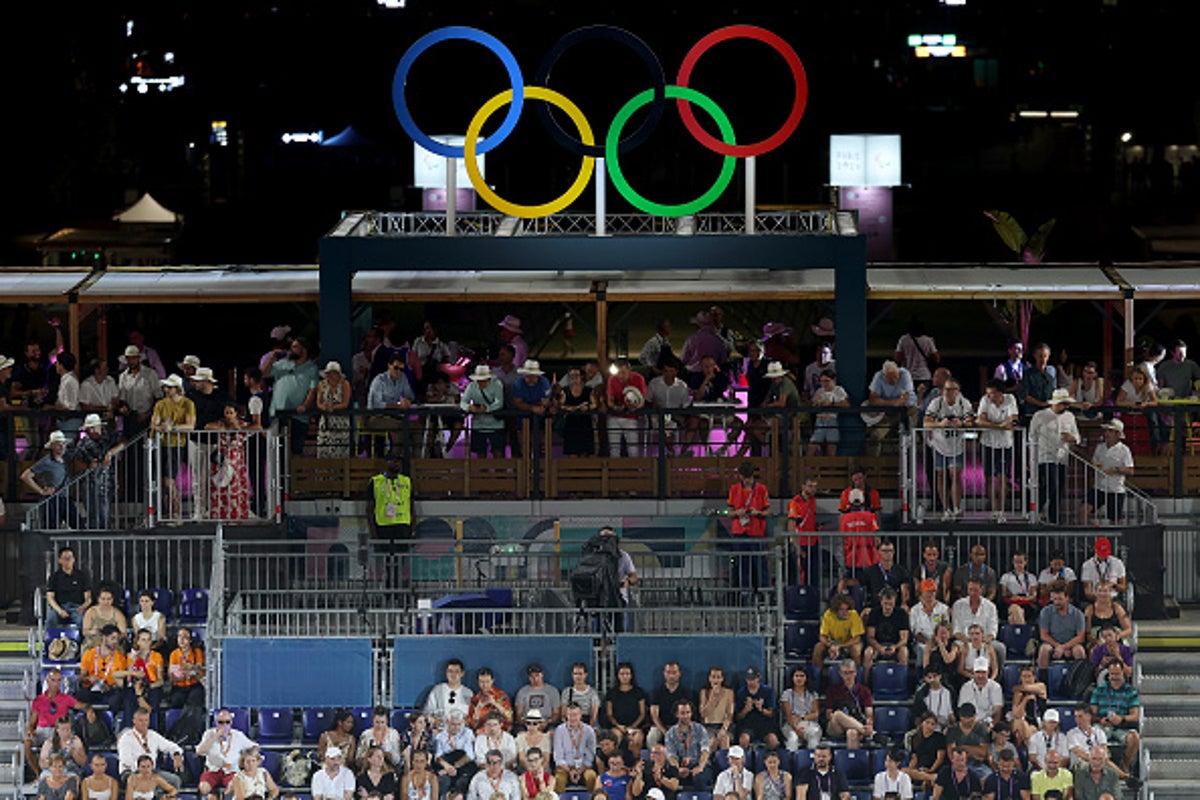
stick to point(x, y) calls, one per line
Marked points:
point(1050, 716)
point(737, 752)
point(1103, 547)
point(534, 667)
point(929, 585)
point(752, 672)
point(333, 752)
point(981, 664)
point(656, 794)
point(856, 497)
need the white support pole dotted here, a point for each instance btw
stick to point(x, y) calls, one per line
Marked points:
point(601, 198)
point(451, 196)
point(1130, 355)
point(750, 194)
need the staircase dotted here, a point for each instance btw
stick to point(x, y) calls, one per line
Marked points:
point(16, 691)
point(1170, 695)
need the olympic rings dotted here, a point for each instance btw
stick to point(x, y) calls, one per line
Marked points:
point(683, 95)
point(657, 80)
point(545, 209)
point(614, 146)
point(472, 35)
point(798, 77)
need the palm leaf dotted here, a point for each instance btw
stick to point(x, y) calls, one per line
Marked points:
point(1008, 229)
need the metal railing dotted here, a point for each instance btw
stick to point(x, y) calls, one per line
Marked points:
point(965, 473)
point(170, 561)
point(110, 496)
point(214, 475)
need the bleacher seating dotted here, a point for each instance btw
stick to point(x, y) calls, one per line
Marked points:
point(193, 607)
point(1015, 638)
point(60, 633)
point(275, 726)
point(833, 674)
point(399, 719)
point(1010, 678)
point(892, 721)
point(314, 722)
point(272, 762)
point(801, 603)
point(362, 719)
point(799, 638)
point(1066, 718)
point(803, 760)
point(685, 795)
point(1055, 680)
point(856, 764)
point(890, 682)
point(241, 719)
point(879, 759)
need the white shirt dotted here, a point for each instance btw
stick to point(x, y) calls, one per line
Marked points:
point(390, 744)
point(947, 441)
point(1046, 430)
point(336, 787)
point(919, 621)
point(68, 392)
point(1077, 738)
point(986, 616)
point(985, 698)
point(902, 784)
point(1105, 458)
point(1041, 743)
point(992, 437)
point(439, 705)
point(507, 747)
point(1112, 570)
point(482, 788)
point(677, 395)
point(940, 703)
point(1023, 585)
point(223, 757)
point(131, 745)
point(1046, 577)
point(102, 394)
point(726, 782)
point(910, 347)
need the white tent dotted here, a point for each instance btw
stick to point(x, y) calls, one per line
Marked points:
point(147, 210)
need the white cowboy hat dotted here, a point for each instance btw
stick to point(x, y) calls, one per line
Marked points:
point(280, 332)
point(482, 373)
point(189, 361)
point(131, 351)
point(6, 362)
point(510, 323)
point(204, 374)
point(1061, 396)
point(56, 436)
point(332, 366)
point(530, 367)
point(92, 421)
point(633, 397)
point(173, 380)
point(1115, 425)
point(701, 318)
point(775, 370)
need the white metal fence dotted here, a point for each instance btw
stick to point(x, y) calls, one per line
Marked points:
point(215, 475)
point(109, 495)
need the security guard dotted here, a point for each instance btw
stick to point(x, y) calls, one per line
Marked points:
point(389, 514)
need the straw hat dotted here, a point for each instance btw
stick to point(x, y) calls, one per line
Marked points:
point(482, 373)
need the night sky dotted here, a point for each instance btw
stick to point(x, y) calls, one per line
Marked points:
point(77, 148)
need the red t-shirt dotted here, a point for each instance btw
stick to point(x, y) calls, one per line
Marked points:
point(804, 514)
point(616, 387)
point(859, 550)
point(51, 711)
point(754, 498)
point(872, 497)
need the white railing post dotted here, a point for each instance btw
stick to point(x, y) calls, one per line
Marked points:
point(153, 497)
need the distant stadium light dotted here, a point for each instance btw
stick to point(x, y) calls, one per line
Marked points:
point(1127, 137)
point(1064, 114)
point(167, 84)
point(391, 3)
point(941, 51)
point(1033, 114)
point(310, 137)
point(953, 2)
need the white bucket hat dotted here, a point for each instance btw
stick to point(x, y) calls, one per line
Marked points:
point(332, 366)
point(56, 436)
point(205, 374)
point(173, 380)
point(92, 421)
point(6, 362)
point(775, 370)
point(189, 361)
point(530, 367)
point(482, 373)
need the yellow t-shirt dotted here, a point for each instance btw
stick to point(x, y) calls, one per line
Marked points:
point(1040, 783)
point(842, 630)
point(177, 413)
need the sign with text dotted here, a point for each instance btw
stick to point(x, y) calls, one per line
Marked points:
point(864, 160)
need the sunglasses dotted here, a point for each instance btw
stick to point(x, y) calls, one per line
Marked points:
point(224, 722)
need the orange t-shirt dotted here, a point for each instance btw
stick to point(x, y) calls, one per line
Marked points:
point(153, 664)
point(177, 660)
point(804, 513)
point(859, 550)
point(755, 499)
point(98, 669)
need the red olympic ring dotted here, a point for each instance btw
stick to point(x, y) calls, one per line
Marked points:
point(798, 77)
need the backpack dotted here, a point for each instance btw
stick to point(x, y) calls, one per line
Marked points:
point(594, 581)
point(189, 728)
point(95, 735)
point(1078, 681)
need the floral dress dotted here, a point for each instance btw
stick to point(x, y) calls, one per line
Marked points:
point(333, 431)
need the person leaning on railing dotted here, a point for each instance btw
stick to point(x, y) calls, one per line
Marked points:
point(46, 477)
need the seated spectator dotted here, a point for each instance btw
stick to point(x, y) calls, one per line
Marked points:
point(977, 609)
point(756, 712)
point(1105, 612)
point(140, 742)
point(450, 695)
point(1001, 740)
point(419, 738)
point(145, 782)
point(716, 708)
point(892, 781)
point(334, 781)
point(1019, 589)
point(1111, 650)
point(1052, 779)
point(1117, 710)
point(850, 708)
point(942, 654)
point(535, 778)
point(608, 744)
point(925, 615)
point(970, 738)
point(534, 736)
point(144, 677)
point(688, 748)
point(887, 573)
point(664, 699)
point(826, 433)
point(252, 779)
point(1084, 736)
point(66, 745)
point(151, 619)
point(494, 739)
point(1103, 567)
point(1028, 704)
point(99, 784)
point(186, 671)
point(579, 692)
point(736, 779)
point(934, 699)
point(68, 592)
point(625, 709)
point(376, 777)
point(615, 778)
point(974, 649)
point(976, 567)
point(1062, 630)
point(222, 749)
point(490, 699)
point(454, 754)
point(841, 632)
point(574, 748)
point(1098, 778)
point(1113, 462)
point(100, 671)
point(801, 713)
point(1049, 737)
point(822, 779)
point(1008, 782)
point(340, 735)
point(101, 615)
point(927, 752)
point(887, 631)
point(773, 783)
point(657, 780)
point(1056, 572)
point(47, 709)
point(382, 736)
point(983, 694)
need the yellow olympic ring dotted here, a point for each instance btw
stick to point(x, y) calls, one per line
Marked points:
point(515, 209)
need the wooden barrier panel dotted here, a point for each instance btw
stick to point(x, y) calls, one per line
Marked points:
point(600, 477)
point(833, 473)
point(711, 476)
point(1154, 475)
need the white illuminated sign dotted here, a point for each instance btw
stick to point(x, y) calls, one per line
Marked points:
point(864, 160)
point(429, 169)
point(312, 137)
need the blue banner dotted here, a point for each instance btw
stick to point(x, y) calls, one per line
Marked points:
point(296, 673)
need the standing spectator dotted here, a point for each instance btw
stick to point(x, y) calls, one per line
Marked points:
point(389, 516)
point(917, 351)
point(655, 346)
point(258, 410)
point(1088, 391)
point(390, 392)
point(1180, 374)
point(750, 507)
point(148, 354)
point(891, 387)
point(210, 408)
point(489, 700)
point(1113, 462)
point(430, 353)
point(510, 334)
point(723, 332)
point(781, 393)
point(704, 342)
point(173, 416)
point(67, 398)
point(295, 391)
point(710, 385)
point(947, 413)
point(626, 393)
point(1039, 383)
point(481, 399)
point(229, 480)
point(506, 373)
point(997, 415)
point(802, 519)
point(812, 373)
point(186, 671)
point(1053, 431)
point(779, 343)
point(68, 592)
point(579, 437)
point(30, 379)
point(333, 428)
point(826, 434)
point(49, 474)
point(1010, 371)
point(1062, 629)
point(360, 366)
point(859, 544)
point(858, 480)
point(95, 452)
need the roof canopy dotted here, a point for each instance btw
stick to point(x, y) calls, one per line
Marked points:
point(148, 211)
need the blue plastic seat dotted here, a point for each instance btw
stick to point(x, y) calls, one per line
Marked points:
point(315, 721)
point(803, 760)
point(801, 602)
point(722, 758)
point(241, 719)
point(1011, 677)
point(164, 601)
point(275, 725)
point(112, 765)
point(1015, 637)
point(193, 606)
point(362, 719)
point(574, 795)
point(1056, 678)
point(694, 796)
point(272, 762)
point(399, 719)
point(859, 595)
point(1066, 717)
point(892, 720)
point(799, 638)
point(890, 681)
point(855, 764)
point(169, 717)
